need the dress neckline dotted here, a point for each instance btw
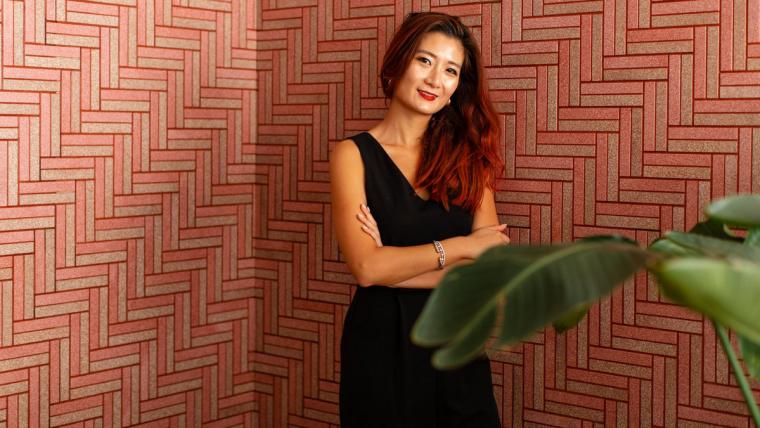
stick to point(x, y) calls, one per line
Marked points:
point(398, 170)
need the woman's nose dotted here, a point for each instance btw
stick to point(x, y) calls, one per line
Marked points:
point(433, 77)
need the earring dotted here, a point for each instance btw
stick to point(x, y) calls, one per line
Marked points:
point(449, 102)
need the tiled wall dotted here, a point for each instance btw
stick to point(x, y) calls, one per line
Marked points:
point(619, 117)
point(126, 205)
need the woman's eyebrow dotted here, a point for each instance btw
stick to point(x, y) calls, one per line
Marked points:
point(436, 56)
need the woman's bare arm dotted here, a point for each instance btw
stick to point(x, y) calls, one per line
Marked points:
point(386, 265)
point(484, 216)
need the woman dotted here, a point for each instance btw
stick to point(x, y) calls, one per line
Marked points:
point(427, 171)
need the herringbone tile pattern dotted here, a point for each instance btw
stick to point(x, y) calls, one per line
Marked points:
point(126, 211)
point(620, 116)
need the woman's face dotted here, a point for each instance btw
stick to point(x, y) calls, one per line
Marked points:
point(433, 74)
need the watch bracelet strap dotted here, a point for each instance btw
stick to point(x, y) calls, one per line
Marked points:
point(441, 254)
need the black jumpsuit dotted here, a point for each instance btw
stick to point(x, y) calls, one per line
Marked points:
point(386, 381)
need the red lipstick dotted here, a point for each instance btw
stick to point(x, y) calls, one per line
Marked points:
point(427, 96)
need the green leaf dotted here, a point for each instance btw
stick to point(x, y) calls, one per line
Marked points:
point(461, 310)
point(714, 229)
point(751, 355)
point(727, 291)
point(753, 237)
point(714, 247)
point(467, 293)
point(740, 210)
point(667, 247)
point(561, 281)
point(570, 319)
point(469, 345)
point(609, 238)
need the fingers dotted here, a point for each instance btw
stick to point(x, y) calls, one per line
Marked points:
point(373, 234)
point(365, 211)
point(365, 217)
point(369, 225)
point(502, 229)
point(504, 236)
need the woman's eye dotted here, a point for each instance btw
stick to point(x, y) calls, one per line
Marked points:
point(452, 71)
point(423, 60)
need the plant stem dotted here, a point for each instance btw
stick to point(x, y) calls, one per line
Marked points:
point(738, 373)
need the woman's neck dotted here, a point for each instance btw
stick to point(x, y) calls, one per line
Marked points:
point(401, 127)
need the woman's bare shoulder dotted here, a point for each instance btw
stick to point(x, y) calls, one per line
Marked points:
point(346, 176)
point(347, 145)
point(345, 151)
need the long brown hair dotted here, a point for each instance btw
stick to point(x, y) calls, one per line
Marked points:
point(460, 148)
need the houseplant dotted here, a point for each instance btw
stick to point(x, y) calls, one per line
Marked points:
point(713, 269)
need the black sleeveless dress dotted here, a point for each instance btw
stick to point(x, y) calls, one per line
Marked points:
point(385, 380)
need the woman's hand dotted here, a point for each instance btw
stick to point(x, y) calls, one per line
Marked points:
point(486, 237)
point(369, 225)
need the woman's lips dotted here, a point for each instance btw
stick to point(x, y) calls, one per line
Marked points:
point(427, 96)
